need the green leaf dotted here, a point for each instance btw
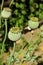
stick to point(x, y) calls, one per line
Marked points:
point(31, 15)
point(40, 10)
point(17, 5)
point(32, 9)
point(13, 3)
point(41, 6)
point(37, 12)
point(22, 6)
point(12, 20)
point(37, 5)
point(31, 1)
point(41, 15)
point(16, 12)
point(23, 0)
point(23, 12)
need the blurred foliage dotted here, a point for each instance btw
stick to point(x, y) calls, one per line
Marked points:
point(20, 13)
point(41, 11)
point(36, 9)
point(23, 11)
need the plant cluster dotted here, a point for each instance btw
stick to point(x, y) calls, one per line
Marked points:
point(17, 21)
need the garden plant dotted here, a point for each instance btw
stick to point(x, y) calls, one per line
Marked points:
point(21, 32)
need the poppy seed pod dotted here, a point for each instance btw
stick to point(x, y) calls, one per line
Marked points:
point(33, 23)
point(6, 12)
point(14, 34)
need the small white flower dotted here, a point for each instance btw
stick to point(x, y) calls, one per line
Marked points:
point(6, 12)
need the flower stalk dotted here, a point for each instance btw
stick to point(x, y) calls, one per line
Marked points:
point(5, 36)
point(10, 58)
point(11, 3)
point(1, 10)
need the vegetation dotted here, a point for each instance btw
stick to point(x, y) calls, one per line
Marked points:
point(14, 19)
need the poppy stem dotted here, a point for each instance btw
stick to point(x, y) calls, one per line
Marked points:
point(1, 10)
point(5, 36)
point(14, 47)
point(2, 5)
point(10, 59)
point(11, 3)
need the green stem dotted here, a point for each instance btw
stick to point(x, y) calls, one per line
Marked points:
point(14, 48)
point(0, 21)
point(1, 10)
point(2, 5)
point(5, 36)
point(9, 60)
point(16, 25)
point(11, 3)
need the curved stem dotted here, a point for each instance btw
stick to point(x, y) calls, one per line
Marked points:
point(11, 3)
point(2, 5)
point(5, 36)
point(1, 10)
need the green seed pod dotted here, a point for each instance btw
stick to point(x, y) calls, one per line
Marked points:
point(6, 12)
point(14, 34)
point(33, 23)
